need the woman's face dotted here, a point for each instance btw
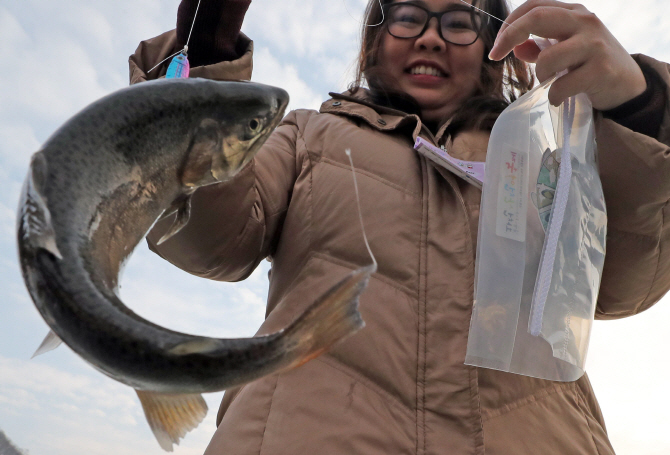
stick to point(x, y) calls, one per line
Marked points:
point(439, 93)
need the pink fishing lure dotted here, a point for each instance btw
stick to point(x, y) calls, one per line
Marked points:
point(179, 67)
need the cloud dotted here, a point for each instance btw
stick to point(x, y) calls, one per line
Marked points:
point(319, 38)
point(52, 76)
point(303, 28)
point(268, 70)
point(80, 413)
point(639, 26)
point(18, 141)
point(170, 297)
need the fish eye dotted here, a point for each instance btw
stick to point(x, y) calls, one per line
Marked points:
point(255, 124)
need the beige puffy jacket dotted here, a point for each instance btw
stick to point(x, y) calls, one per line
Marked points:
point(400, 386)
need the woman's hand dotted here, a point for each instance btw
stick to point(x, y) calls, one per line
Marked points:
point(216, 29)
point(598, 65)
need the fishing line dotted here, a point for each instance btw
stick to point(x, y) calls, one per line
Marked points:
point(192, 25)
point(165, 59)
point(352, 16)
point(488, 14)
point(360, 211)
point(383, 18)
point(188, 40)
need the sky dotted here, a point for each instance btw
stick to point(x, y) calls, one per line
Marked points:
point(60, 56)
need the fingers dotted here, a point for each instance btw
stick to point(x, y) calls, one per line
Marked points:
point(531, 4)
point(597, 64)
point(527, 51)
point(546, 18)
point(565, 55)
point(571, 84)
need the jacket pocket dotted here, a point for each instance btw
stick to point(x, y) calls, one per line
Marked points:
point(554, 421)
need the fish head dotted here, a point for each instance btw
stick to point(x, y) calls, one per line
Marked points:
point(231, 128)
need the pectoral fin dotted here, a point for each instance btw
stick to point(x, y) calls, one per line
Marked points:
point(205, 145)
point(51, 342)
point(34, 216)
point(171, 416)
point(183, 208)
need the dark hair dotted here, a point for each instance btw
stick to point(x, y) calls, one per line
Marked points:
point(501, 82)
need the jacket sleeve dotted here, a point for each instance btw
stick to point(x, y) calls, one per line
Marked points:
point(234, 225)
point(152, 51)
point(635, 173)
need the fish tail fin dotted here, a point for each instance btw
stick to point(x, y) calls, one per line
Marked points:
point(331, 318)
point(51, 342)
point(171, 416)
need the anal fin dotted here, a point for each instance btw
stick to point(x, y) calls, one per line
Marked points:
point(171, 416)
point(51, 342)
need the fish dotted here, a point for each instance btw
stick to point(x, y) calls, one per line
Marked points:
point(94, 190)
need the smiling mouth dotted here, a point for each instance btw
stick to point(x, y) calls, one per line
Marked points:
point(426, 70)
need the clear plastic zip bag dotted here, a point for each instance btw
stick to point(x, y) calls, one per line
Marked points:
point(541, 242)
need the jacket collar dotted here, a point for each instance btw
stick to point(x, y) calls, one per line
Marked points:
point(467, 145)
point(361, 105)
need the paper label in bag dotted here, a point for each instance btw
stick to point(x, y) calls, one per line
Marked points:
point(512, 196)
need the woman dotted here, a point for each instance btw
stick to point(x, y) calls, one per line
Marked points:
point(400, 385)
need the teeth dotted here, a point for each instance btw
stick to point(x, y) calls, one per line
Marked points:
point(426, 70)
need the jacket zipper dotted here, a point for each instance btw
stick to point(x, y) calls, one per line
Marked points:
point(422, 317)
point(478, 439)
point(478, 436)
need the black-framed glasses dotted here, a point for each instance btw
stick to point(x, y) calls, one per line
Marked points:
point(460, 26)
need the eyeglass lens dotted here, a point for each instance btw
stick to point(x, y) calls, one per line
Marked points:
point(457, 26)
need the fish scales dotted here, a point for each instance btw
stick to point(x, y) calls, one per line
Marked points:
point(121, 154)
point(95, 189)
